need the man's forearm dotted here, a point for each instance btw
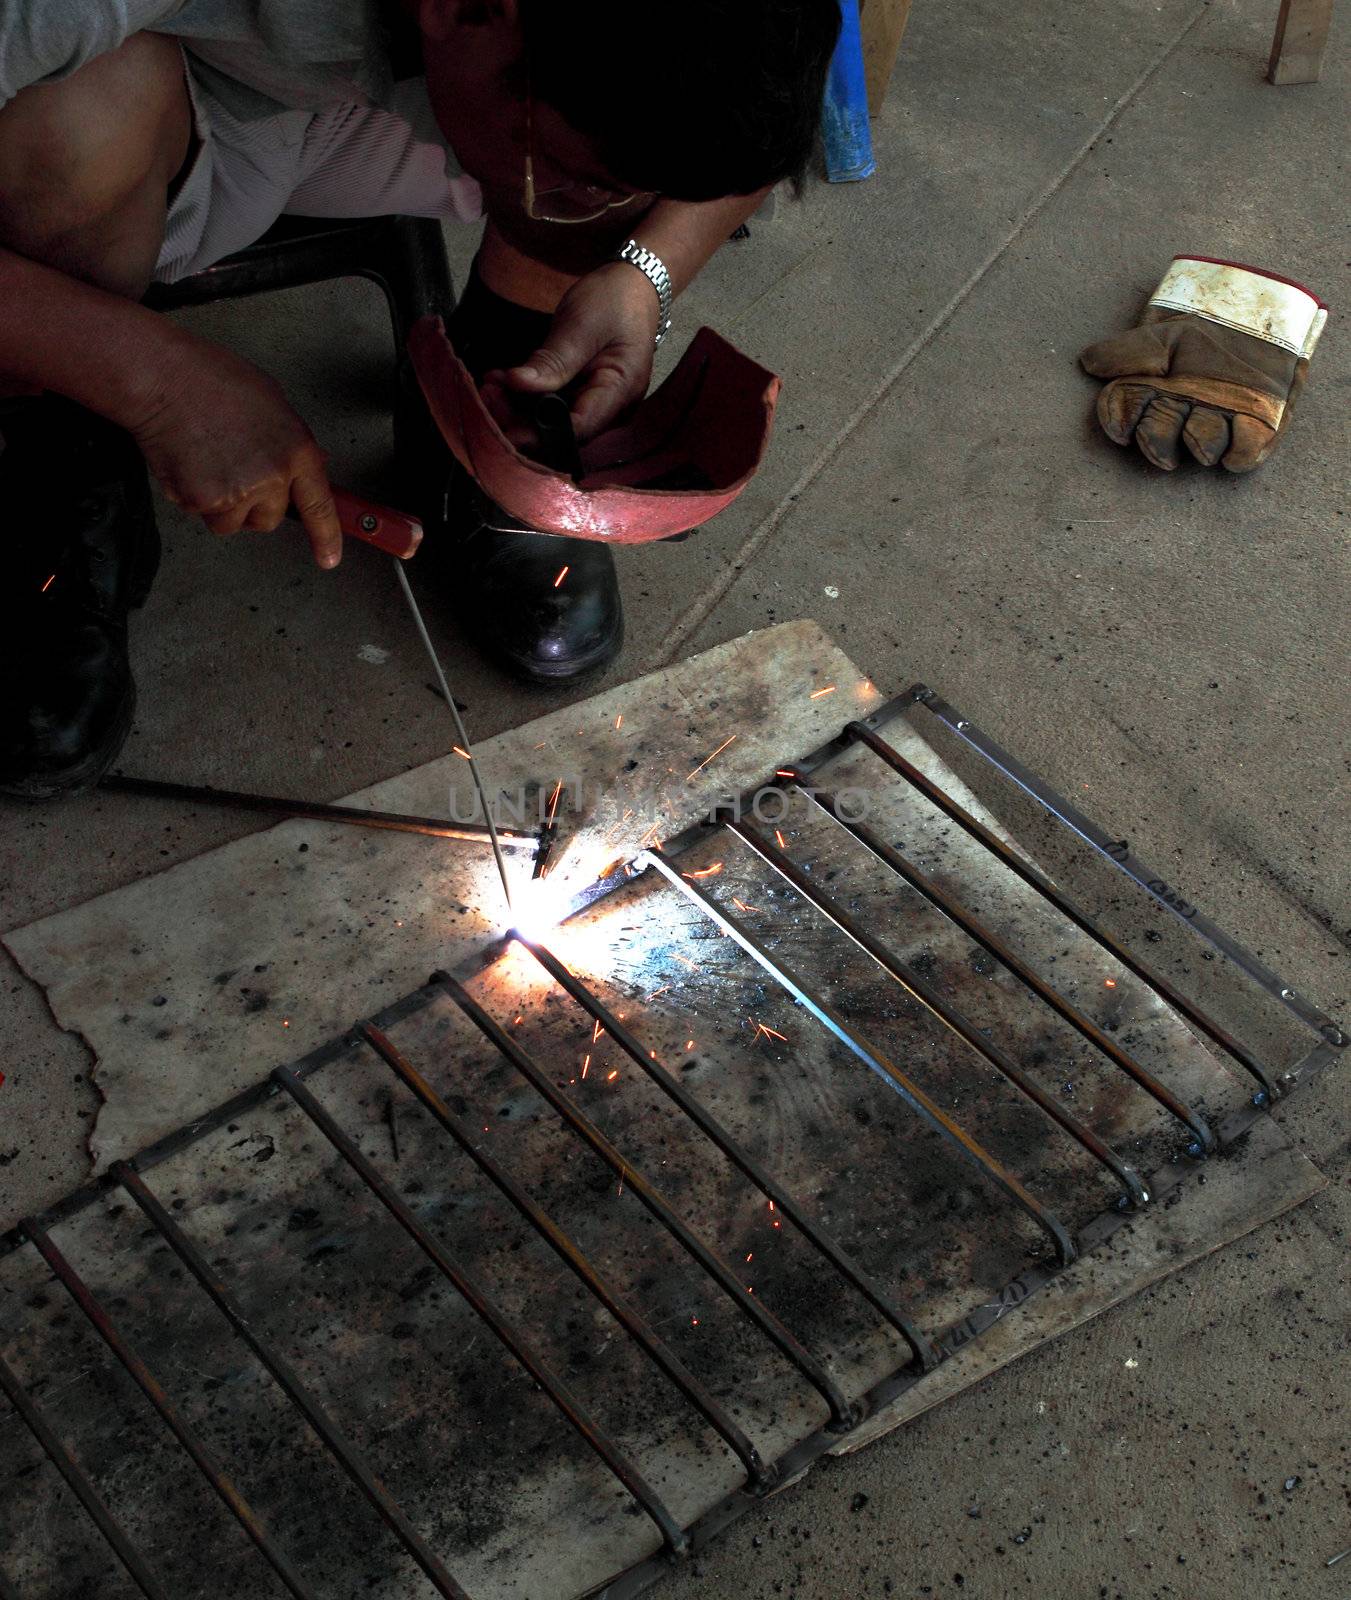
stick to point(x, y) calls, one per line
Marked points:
point(687, 234)
point(93, 347)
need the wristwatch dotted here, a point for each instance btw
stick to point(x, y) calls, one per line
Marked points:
point(653, 268)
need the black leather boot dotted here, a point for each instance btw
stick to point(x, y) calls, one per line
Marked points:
point(78, 549)
point(500, 578)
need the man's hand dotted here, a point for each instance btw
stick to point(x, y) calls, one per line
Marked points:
point(602, 343)
point(225, 444)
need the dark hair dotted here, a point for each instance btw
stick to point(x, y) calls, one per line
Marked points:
point(695, 99)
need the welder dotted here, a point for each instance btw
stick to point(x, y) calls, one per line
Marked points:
point(608, 149)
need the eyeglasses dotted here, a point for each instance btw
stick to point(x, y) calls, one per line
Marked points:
point(569, 202)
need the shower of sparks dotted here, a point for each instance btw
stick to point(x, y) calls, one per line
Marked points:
point(707, 759)
point(705, 872)
point(562, 574)
point(816, 694)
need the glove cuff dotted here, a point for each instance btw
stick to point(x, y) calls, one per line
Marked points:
point(1248, 299)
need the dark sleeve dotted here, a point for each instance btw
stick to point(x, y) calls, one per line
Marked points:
point(43, 40)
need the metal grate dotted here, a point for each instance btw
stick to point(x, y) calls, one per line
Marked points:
point(923, 1349)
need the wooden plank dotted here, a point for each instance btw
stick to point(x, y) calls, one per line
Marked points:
point(883, 23)
point(1301, 38)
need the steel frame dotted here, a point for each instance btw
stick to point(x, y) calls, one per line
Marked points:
point(923, 1349)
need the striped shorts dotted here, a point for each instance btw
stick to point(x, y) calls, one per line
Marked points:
point(343, 161)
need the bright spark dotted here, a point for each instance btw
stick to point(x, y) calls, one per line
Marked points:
point(783, 843)
point(586, 1065)
point(742, 906)
point(619, 721)
point(50, 581)
point(562, 574)
point(707, 759)
point(705, 872)
point(612, 1075)
point(459, 751)
point(817, 693)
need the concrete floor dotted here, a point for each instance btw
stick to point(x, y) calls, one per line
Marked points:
point(1174, 645)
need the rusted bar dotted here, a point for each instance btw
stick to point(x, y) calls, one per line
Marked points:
point(317, 811)
point(150, 1387)
point(573, 1258)
point(914, 1097)
point(510, 1337)
point(1038, 880)
point(786, 1202)
point(347, 1455)
point(842, 1413)
point(933, 1002)
point(61, 1457)
point(952, 908)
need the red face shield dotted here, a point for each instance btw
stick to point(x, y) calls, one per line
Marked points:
point(686, 452)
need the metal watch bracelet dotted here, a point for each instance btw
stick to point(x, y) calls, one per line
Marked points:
point(653, 268)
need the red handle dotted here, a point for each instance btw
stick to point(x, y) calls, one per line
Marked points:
point(388, 530)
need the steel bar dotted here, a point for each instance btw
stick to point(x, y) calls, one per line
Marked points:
point(154, 1392)
point(952, 908)
point(784, 1200)
point(346, 1453)
point(1036, 879)
point(933, 1002)
point(508, 1335)
point(638, 1329)
point(913, 1096)
point(1123, 858)
point(61, 1457)
point(841, 1412)
point(317, 811)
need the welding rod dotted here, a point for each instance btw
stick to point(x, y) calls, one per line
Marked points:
point(317, 811)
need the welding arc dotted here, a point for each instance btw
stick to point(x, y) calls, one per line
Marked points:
point(465, 745)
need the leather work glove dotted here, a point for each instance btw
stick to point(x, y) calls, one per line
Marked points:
point(1215, 364)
